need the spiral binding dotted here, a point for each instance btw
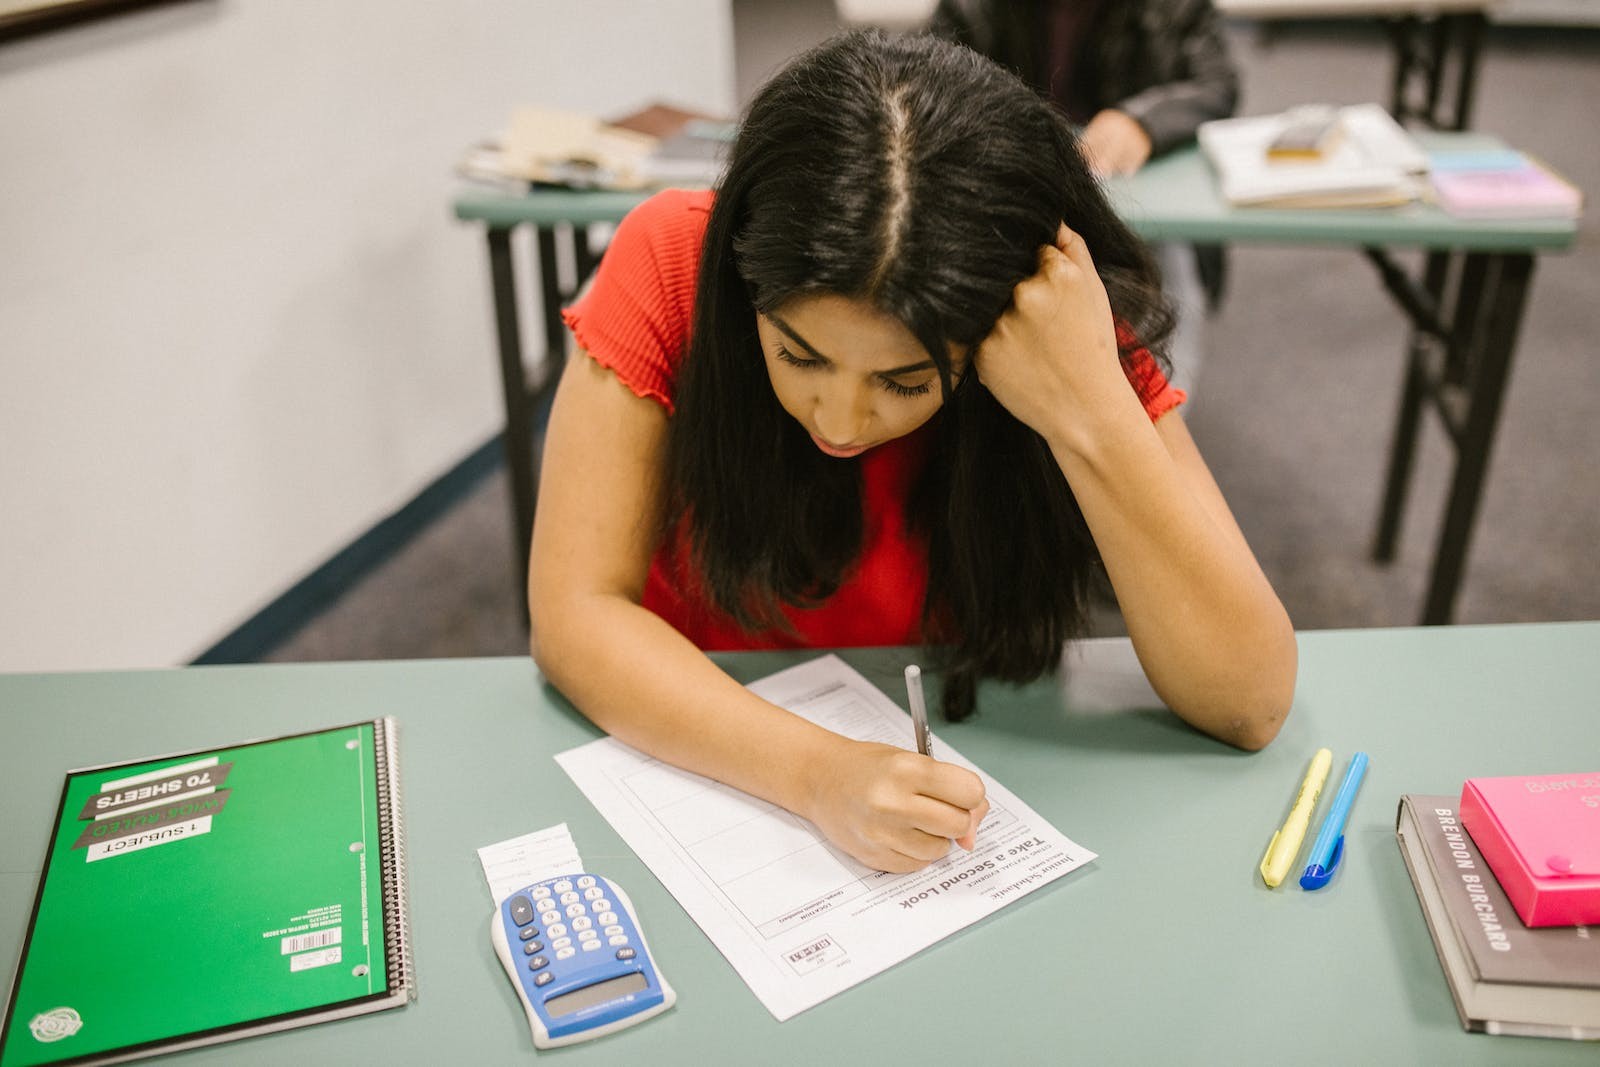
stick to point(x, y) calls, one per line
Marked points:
point(392, 845)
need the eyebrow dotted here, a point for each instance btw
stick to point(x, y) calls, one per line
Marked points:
point(894, 372)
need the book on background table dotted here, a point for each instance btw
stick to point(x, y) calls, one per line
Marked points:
point(1371, 162)
point(655, 147)
point(1501, 185)
point(1504, 977)
point(244, 889)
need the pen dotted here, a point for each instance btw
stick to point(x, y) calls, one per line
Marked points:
point(919, 710)
point(1328, 848)
point(1285, 844)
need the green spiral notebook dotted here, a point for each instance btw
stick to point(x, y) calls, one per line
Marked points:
point(213, 895)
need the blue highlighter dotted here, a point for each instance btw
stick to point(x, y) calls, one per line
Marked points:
point(1328, 849)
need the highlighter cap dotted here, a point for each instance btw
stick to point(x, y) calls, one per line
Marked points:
point(1317, 875)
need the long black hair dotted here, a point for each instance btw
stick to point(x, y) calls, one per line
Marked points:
point(917, 176)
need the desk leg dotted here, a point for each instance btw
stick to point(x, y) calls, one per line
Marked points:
point(1426, 62)
point(1500, 318)
point(1402, 450)
point(518, 435)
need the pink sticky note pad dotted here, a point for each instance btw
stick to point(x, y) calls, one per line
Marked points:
point(1540, 835)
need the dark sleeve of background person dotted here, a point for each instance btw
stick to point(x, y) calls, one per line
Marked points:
point(1007, 31)
point(1163, 62)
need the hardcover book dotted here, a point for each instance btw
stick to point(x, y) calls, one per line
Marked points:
point(1541, 836)
point(1504, 978)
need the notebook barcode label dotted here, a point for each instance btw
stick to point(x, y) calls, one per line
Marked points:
point(315, 939)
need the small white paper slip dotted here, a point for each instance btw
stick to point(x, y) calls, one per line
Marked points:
point(520, 861)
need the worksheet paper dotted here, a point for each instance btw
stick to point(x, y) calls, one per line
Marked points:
point(799, 919)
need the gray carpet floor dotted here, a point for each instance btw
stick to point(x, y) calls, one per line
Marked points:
point(1293, 405)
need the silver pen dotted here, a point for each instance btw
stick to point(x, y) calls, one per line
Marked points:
point(919, 709)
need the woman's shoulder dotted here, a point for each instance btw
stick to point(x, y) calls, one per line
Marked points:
point(636, 314)
point(673, 220)
point(657, 247)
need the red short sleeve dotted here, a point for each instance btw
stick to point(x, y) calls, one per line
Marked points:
point(635, 318)
point(1158, 395)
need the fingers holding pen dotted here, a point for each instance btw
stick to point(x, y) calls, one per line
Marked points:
point(897, 810)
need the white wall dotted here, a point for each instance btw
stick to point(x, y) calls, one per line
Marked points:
point(238, 324)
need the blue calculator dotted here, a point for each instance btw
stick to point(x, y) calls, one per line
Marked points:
point(573, 949)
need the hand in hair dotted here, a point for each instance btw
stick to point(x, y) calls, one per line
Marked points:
point(895, 810)
point(1051, 359)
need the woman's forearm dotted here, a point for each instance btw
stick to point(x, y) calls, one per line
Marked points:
point(642, 682)
point(1212, 636)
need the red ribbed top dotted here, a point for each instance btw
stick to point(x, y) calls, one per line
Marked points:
point(635, 320)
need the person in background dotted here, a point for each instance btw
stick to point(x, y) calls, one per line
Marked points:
point(896, 381)
point(1138, 77)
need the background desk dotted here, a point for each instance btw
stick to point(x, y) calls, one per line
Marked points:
point(1431, 38)
point(1466, 309)
point(1166, 949)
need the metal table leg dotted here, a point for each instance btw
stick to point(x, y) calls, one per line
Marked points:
point(1498, 318)
point(518, 435)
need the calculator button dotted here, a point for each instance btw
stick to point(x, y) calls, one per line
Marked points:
point(594, 892)
point(619, 939)
point(613, 930)
point(566, 953)
point(563, 886)
point(541, 892)
point(538, 963)
point(569, 897)
point(590, 946)
point(528, 932)
point(607, 918)
point(531, 947)
point(601, 905)
point(626, 953)
point(586, 881)
point(548, 917)
point(557, 930)
point(560, 943)
point(588, 935)
point(582, 922)
point(574, 910)
point(544, 978)
point(521, 910)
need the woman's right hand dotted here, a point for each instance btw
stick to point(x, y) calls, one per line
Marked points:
point(895, 810)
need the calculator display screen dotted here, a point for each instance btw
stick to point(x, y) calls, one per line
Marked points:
point(599, 993)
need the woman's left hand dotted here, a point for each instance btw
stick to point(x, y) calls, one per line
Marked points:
point(1051, 359)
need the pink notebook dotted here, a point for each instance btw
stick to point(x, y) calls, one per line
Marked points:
point(1518, 189)
point(1540, 835)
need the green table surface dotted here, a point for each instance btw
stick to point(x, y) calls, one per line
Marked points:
point(1174, 198)
point(1168, 948)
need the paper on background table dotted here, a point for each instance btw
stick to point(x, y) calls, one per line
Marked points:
point(520, 861)
point(799, 919)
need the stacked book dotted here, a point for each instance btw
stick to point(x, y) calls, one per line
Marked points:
point(1523, 963)
point(1315, 157)
point(1501, 185)
point(655, 147)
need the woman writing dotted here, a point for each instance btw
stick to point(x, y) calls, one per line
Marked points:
point(890, 384)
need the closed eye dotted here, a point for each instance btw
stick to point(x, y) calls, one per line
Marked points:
point(899, 389)
point(889, 383)
point(786, 356)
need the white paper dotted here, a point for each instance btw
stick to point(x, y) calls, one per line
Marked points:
point(1374, 159)
point(799, 919)
point(520, 861)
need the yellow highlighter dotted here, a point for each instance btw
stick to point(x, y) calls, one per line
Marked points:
point(1285, 844)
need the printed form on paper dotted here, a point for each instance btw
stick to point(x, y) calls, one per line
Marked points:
point(799, 919)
